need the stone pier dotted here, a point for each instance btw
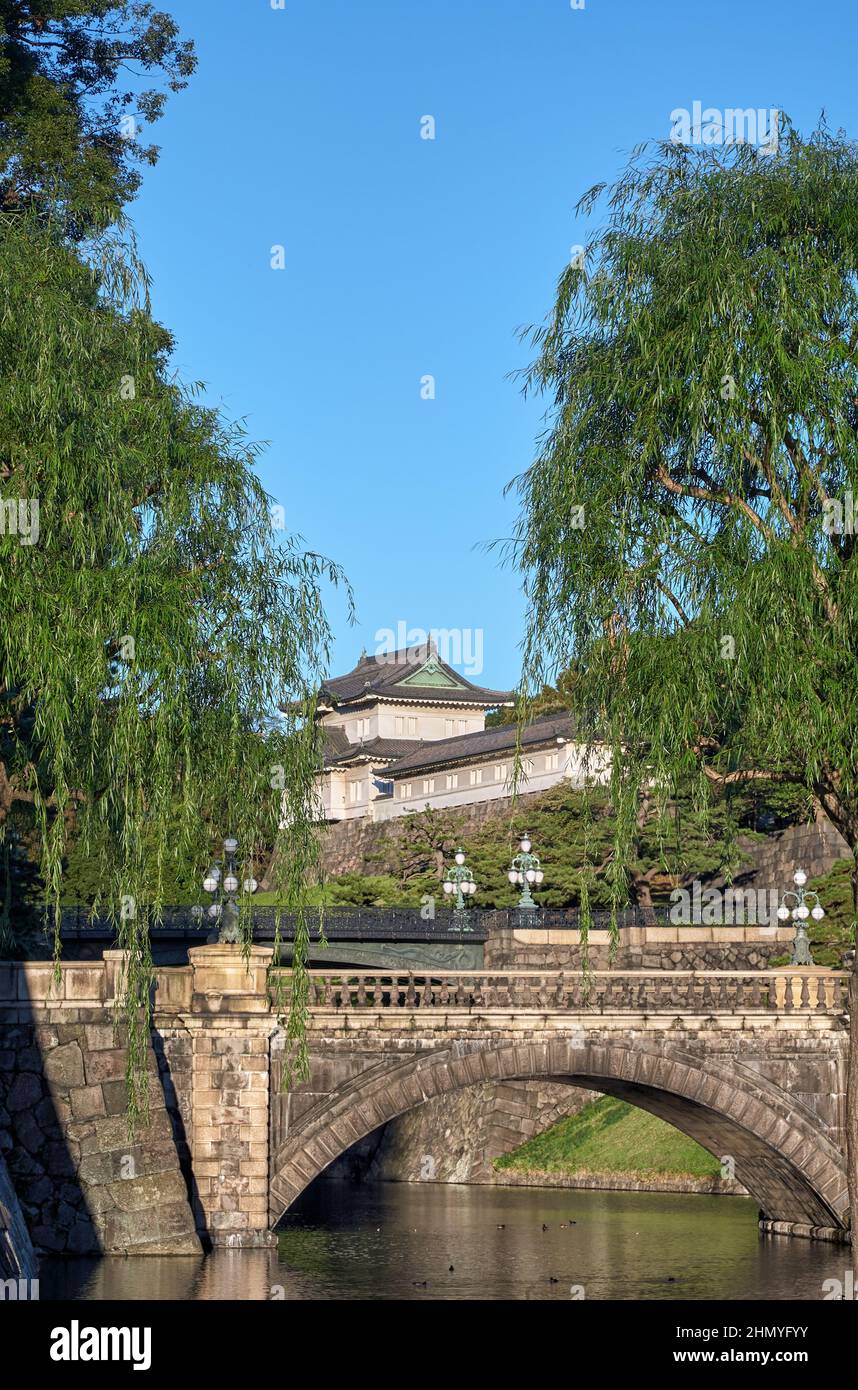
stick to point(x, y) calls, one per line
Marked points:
point(229, 1029)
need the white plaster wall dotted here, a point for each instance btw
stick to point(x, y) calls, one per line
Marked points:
point(429, 724)
point(573, 766)
point(380, 721)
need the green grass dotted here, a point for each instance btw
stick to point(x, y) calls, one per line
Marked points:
point(610, 1136)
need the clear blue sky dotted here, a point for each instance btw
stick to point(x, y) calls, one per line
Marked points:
point(407, 257)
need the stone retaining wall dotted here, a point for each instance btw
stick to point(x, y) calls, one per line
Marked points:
point(621, 1182)
point(84, 1185)
point(366, 847)
point(651, 948)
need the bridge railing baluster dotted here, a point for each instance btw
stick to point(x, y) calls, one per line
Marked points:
point(785, 990)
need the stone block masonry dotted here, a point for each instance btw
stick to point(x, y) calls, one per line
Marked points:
point(455, 1139)
point(659, 947)
point(84, 1185)
point(367, 847)
point(219, 1057)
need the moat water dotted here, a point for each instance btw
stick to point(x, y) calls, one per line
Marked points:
point(403, 1241)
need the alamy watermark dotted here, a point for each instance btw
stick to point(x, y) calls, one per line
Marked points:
point(19, 516)
point(840, 518)
point(455, 646)
point(731, 125)
point(19, 1290)
point(716, 907)
point(76, 1343)
point(840, 1289)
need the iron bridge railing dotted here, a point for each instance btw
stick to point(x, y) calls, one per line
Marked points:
point(367, 923)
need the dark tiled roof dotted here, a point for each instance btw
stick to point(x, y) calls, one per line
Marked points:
point(377, 676)
point(339, 752)
point(334, 742)
point(501, 738)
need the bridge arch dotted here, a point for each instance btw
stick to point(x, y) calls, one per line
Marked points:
point(781, 1156)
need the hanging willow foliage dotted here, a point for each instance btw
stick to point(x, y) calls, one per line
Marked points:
point(152, 620)
point(688, 528)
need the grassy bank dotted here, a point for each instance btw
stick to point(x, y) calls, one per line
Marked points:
point(611, 1136)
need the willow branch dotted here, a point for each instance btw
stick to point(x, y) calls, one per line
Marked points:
point(720, 499)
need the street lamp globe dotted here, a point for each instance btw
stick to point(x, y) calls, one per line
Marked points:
point(225, 882)
point(526, 870)
point(459, 880)
point(796, 904)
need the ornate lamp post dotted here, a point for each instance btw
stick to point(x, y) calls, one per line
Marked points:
point(460, 880)
point(526, 870)
point(223, 884)
point(800, 913)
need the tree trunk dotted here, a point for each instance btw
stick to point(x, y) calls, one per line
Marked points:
point(643, 895)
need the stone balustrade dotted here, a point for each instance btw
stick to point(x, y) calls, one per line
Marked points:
point(809, 990)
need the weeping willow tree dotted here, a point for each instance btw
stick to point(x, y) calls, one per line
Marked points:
point(688, 528)
point(152, 618)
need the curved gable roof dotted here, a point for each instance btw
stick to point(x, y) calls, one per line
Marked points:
point(414, 674)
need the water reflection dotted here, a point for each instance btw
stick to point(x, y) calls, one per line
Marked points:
point(432, 1241)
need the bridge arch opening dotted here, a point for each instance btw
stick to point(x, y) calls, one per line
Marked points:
point(781, 1157)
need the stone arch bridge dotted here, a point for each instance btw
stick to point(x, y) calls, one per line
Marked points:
point(751, 1064)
